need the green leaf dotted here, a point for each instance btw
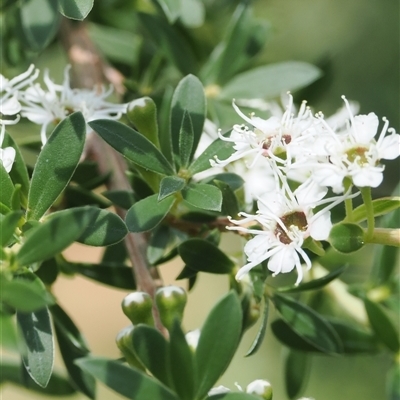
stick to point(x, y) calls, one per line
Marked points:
point(142, 113)
point(392, 385)
point(170, 185)
point(104, 228)
point(39, 20)
point(121, 198)
point(26, 293)
point(171, 8)
point(115, 254)
point(146, 214)
point(261, 331)
point(117, 45)
point(380, 206)
point(186, 138)
point(8, 224)
point(220, 149)
point(382, 325)
point(68, 328)
point(151, 348)
point(188, 98)
point(347, 237)
point(119, 276)
point(314, 284)
point(39, 344)
point(128, 382)
point(230, 205)
point(181, 363)
point(297, 368)
point(18, 173)
point(70, 354)
point(7, 187)
point(54, 235)
point(203, 196)
point(55, 166)
point(132, 145)
point(48, 271)
point(270, 81)
point(8, 338)
point(308, 324)
point(57, 386)
point(201, 255)
point(163, 244)
point(243, 39)
point(75, 9)
point(192, 13)
point(214, 352)
point(78, 196)
point(171, 42)
point(234, 181)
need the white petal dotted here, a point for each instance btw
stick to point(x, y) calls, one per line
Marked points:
point(11, 106)
point(390, 147)
point(365, 127)
point(7, 157)
point(331, 176)
point(321, 226)
point(309, 192)
point(283, 261)
point(367, 177)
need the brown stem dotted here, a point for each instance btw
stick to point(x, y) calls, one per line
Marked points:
point(90, 70)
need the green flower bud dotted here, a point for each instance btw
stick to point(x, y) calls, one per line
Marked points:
point(124, 343)
point(137, 306)
point(260, 388)
point(171, 301)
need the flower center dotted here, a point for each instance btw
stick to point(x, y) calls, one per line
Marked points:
point(357, 155)
point(297, 220)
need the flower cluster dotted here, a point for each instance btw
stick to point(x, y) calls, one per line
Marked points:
point(314, 153)
point(50, 105)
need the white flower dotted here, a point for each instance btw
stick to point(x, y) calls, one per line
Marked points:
point(261, 388)
point(192, 338)
point(287, 220)
point(353, 152)
point(9, 105)
point(58, 101)
point(218, 390)
point(280, 138)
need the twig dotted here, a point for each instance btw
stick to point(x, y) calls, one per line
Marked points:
point(90, 70)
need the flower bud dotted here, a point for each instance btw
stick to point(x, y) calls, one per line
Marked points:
point(252, 314)
point(261, 388)
point(218, 390)
point(192, 338)
point(137, 306)
point(171, 301)
point(124, 343)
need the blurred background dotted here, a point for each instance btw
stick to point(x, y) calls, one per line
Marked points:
point(356, 43)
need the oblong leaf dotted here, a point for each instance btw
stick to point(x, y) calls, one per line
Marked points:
point(212, 259)
point(270, 81)
point(170, 185)
point(314, 284)
point(181, 363)
point(53, 235)
point(39, 344)
point(55, 166)
point(40, 20)
point(128, 382)
point(188, 98)
point(75, 9)
point(308, 324)
point(392, 385)
point(215, 351)
point(203, 196)
point(151, 348)
point(382, 325)
point(220, 149)
point(297, 368)
point(146, 214)
point(7, 187)
point(380, 206)
point(116, 275)
point(257, 342)
point(8, 223)
point(132, 145)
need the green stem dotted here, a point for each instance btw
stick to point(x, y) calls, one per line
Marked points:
point(366, 195)
point(348, 203)
point(388, 237)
